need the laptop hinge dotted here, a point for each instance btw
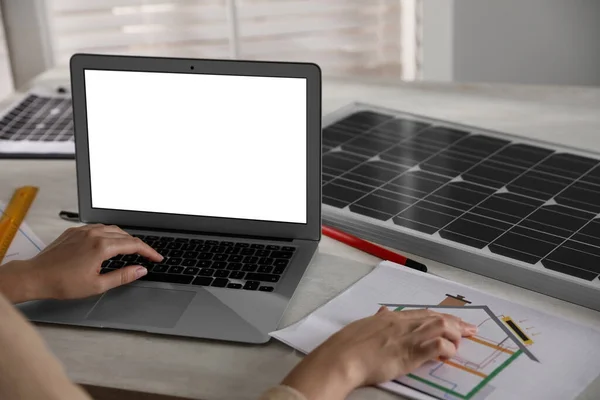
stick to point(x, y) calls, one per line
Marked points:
point(183, 232)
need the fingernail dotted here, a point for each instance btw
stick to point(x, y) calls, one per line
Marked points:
point(139, 272)
point(472, 328)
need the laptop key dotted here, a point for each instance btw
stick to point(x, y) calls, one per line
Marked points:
point(202, 280)
point(266, 261)
point(234, 286)
point(160, 268)
point(218, 249)
point(227, 244)
point(189, 262)
point(288, 248)
point(161, 244)
point(232, 250)
point(249, 268)
point(168, 278)
point(117, 264)
point(262, 253)
point(175, 253)
point(196, 241)
point(240, 244)
point(174, 261)
point(220, 257)
point(106, 270)
point(221, 273)
point(281, 263)
point(250, 259)
point(265, 268)
point(251, 276)
point(204, 256)
point(257, 246)
point(152, 237)
point(206, 272)
point(265, 288)
point(191, 271)
point(278, 270)
point(251, 285)
point(220, 282)
point(212, 242)
point(235, 258)
point(149, 266)
point(234, 266)
point(219, 265)
point(105, 264)
point(190, 254)
point(204, 248)
point(176, 270)
point(189, 246)
point(282, 254)
point(236, 275)
point(204, 264)
point(174, 246)
point(167, 238)
point(272, 247)
point(182, 240)
point(247, 252)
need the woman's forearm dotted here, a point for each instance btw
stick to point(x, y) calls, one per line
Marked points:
point(19, 282)
point(27, 368)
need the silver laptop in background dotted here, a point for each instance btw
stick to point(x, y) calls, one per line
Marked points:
point(214, 163)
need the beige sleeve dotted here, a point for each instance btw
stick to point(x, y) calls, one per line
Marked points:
point(28, 370)
point(282, 392)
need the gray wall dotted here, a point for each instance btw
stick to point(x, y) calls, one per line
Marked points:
point(527, 41)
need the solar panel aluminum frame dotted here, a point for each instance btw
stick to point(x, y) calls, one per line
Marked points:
point(434, 247)
point(311, 230)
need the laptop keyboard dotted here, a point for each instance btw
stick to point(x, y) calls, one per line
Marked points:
point(223, 264)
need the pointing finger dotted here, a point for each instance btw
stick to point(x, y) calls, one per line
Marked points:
point(121, 276)
point(110, 247)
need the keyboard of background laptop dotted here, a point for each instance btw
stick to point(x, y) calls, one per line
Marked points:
point(217, 263)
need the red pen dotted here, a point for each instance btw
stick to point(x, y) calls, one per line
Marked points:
point(372, 249)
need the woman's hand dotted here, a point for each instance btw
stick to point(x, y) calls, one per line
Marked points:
point(69, 268)
point(375, 350)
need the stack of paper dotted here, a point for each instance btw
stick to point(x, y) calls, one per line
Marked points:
point(518, 353)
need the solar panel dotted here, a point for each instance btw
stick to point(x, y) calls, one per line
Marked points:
point(40, 125)
point(518, 210)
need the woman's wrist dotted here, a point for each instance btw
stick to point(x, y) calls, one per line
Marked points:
point(320, 378)
point(19, 282)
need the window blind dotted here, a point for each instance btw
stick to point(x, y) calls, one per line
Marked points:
point(6, 82)
point(345, 37)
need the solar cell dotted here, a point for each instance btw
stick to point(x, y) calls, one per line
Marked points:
point(467, 196)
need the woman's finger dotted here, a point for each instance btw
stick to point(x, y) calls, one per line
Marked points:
point(432, 349)
point(110, 247)
point(440, 326)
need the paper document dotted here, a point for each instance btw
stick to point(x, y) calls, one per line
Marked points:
point(517, 353)
point(25, 244)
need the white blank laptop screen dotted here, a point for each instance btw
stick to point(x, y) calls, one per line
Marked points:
point(194, 144)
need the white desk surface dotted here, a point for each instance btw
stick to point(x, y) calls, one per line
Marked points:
point(213, 370)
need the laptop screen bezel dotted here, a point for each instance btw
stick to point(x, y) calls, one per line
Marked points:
point(311, 230)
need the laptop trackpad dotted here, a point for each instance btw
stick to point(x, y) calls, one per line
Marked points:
point(160, 308)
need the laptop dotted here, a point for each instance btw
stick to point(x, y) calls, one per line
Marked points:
point(214, 163)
